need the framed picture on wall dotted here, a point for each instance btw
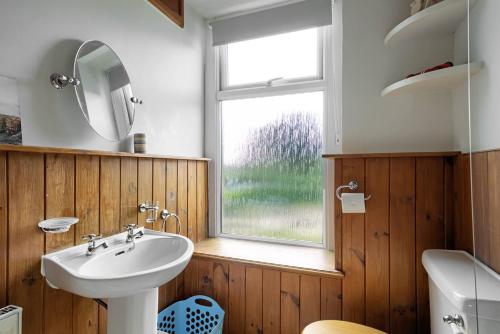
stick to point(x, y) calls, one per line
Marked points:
point(10, 116)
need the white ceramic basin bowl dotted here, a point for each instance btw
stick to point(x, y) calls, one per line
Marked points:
point(121, 270)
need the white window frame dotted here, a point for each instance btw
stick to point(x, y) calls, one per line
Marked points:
point(323, 82)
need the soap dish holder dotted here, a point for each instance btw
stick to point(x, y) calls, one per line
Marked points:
point(57, 225)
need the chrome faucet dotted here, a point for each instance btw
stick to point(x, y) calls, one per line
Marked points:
point(91, 238)
point(131, 236)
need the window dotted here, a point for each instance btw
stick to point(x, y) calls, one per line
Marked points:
point(271, 103)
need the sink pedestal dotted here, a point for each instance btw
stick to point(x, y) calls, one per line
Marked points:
point(134, 314)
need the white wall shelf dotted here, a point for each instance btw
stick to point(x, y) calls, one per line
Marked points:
point(433, 81)
point(441, 18)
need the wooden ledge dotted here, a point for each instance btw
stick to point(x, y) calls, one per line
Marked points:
point(392, 155)
point(298, 259)
point(57, 150)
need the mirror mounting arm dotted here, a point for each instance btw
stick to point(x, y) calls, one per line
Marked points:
point(60, 81)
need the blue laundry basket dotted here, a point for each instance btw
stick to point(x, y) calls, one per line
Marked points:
point(195, 315)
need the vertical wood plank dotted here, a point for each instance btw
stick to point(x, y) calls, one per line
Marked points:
point(463, 209)
point(290, 303)
point(144, 187)
point(253, 300)
point(338, 216)
point(87, 196)
point(110, 196)
point(449, 201)
point(221, 288)
point(236, 298)
point(191, 279)
point(85, 311)
point(353, 249)
point(26, 242)
point(3, 229)
point(59, 202)
point(205, 277)
point(331, 299)
point(377, 244)
point(103, 320)
point(271, 298)
point(192, 205)
point(159, 187)
point(310, 300)
point(128, 194)
point(402, 246)
point(494, 209)
point(201, 200)
point(430, 229)
point(171, 193)
point(481, 188)
point(182, 195)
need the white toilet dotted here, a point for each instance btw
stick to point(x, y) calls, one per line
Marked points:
point(452, 293)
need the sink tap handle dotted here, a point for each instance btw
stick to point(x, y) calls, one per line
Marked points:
point(91, 237)
point(130, 227)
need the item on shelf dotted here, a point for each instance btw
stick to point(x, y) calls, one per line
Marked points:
point(418, 5)
point(139, 142)
point(432, 69)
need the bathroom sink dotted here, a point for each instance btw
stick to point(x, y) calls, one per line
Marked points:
point(128, 274)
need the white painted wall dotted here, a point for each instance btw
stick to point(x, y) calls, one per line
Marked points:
point(371, 123)
point(485, 86)
point(164, 62)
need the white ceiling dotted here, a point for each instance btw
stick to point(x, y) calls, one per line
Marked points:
point(214, 8)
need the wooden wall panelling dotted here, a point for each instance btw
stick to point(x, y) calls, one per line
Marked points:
point(481, 190)
point(310, 300)
point(110, 196)
point(182, 195)
point(331, 299)
point(353, 249)
point(26, 242)
point(290, 303)
point(128, 192)
point(171, 193)
point(337, 223)
point(3, 229)
point(205, 278)
point(253, 300)
point(430, 228)
point(271, 300)
point(85, 311)
point(402, 246)
point(144, 187)
point(377, 244)
point(236, 321)
point(59, 202)
point(201, 200)
point(221, 287)
point(192, 206)
point(493, 231)
point(449, 201)
point(191, 278)
point(463, 207)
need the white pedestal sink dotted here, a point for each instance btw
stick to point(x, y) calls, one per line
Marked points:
point(127, 274)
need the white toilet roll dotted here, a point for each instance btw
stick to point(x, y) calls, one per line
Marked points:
point(353, 203)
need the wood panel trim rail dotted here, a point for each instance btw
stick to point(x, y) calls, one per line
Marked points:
point(58, 150)
point(392, 155)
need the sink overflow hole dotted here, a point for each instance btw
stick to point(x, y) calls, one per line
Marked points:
point(120, 253)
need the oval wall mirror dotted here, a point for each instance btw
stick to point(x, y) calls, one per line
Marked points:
point(104, 91)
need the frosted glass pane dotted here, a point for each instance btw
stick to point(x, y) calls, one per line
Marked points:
point(272, 179)
point(288, 56)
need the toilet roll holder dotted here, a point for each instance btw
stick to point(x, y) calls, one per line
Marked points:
point(352, 185)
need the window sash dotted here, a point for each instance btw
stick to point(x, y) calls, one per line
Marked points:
point(223, 68)
point(301, 85)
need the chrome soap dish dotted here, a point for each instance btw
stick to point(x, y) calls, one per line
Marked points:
point(57, 225)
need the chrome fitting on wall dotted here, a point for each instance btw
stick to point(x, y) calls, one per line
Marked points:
point(60, 81)
point(165, 214)
point(152, 210)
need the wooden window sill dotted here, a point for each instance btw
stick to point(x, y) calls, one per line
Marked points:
point(304, 260)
